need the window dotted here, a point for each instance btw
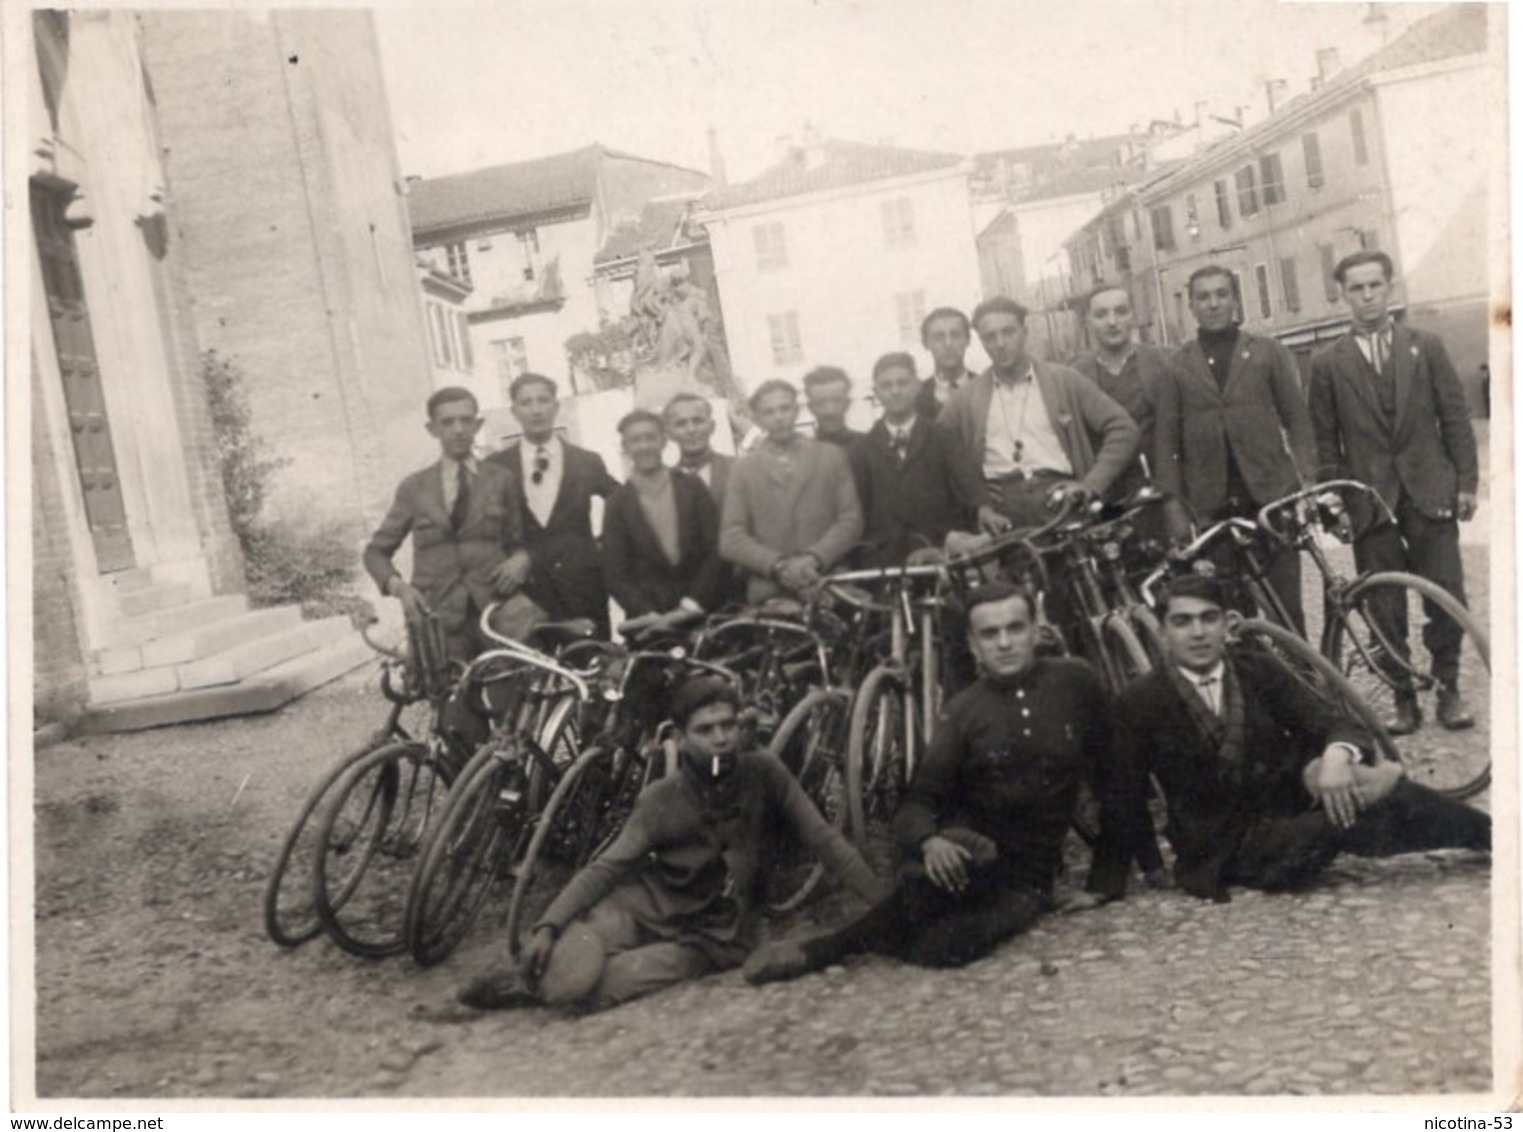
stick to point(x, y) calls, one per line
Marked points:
point(528, 248)
point(1261, 278)
point(1329, 261)
point(439, 327)
point(1356, 128)
point(1179, 313)
point(1311, 149)
point(1192, 215)
point(771, 246)
point(909, 309)
point(1223, 205)
point(510, 359)
point(1273, 177)
point(459, 262)
point(1289, 284)
point(783, 329)
point(1163, 228)
point(1247, 191)
point(463, 356)
point(1237, 292)
point(898, 223)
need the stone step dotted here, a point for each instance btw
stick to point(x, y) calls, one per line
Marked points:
point(154, 597)
point(130, 581)
point(232, 664)
point(205, 639)
point(263, 692)
point(128, 632)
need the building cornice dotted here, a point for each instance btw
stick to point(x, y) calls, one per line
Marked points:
point(803, 200)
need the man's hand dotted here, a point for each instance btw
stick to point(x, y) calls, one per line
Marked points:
point(797, 572)
point(991, 522)
point(1465, 505)
point(537, 954)
point(510, 574)
point(1336, 788)
point(946, 863)
point(414, 608)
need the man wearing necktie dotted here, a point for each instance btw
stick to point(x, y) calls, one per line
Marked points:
point(466, 529)
point(1265, 782)
point(1388, 409)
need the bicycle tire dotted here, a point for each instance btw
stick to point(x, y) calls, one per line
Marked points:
point(478, 838)
point(290, 916)
point(811, 737)
point(1460, 765)
point(372, 837)
point(884, 722)
point(565, 836)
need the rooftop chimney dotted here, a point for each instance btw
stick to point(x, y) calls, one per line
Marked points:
point(1327, 63)
point(716, 159)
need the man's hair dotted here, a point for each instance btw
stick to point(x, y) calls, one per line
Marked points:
point(992, 592)
point(773, 385)
point(449, 394)
point(686, 395)
point(1359, 259)
point(889, 361)
point(826, 375)
point(943, 312)
point(1096, 292)
point(999, 304)
point(640, 416)
point(1206, 272)
point(701, 692)
point(1199, 586)
point(524, 380)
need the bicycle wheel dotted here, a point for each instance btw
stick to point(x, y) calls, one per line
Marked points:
point(290, 910)
point(481, 834)
point(571, 828)
point(372, 837)
point(1361, 641)
point(811, 742)
point(884, 723)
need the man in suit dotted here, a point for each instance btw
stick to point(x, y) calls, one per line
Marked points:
point(1232, 431)
point(1388, 409)
point(827, 390)
point(689, 421)
point(1034, 426)
point(791, 509)
point(917, 485)
point(466, 529)
point(1265, 783)
point(660, 535)
point(555, 483)
point(945, 333)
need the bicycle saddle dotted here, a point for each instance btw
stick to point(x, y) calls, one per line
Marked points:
point(554, 634)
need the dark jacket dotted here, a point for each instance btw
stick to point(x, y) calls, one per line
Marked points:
point(1259, 410)
point(915, 503)
point(636, 571)
point(1210, 805)
point(568, 576)
point(1426, 453)
point(1135, 389)
point(925, 401)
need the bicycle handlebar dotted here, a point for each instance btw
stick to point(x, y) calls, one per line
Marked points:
point(1269, 509)
point(1193, 550)
point(509, 648)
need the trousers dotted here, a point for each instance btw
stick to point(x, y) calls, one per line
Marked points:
point(641, 960)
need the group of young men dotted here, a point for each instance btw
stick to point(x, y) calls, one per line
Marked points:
point(1225, 424)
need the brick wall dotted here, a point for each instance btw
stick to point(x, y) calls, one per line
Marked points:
point(58, 670)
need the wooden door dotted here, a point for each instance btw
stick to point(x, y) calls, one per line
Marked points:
point(89, 428)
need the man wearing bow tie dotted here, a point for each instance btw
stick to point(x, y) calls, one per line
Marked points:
point(466, 530)
point(1388, 409)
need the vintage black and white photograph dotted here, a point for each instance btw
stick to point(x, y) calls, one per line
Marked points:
point(840, 549)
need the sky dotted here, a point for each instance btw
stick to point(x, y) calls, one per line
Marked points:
point(473, 85)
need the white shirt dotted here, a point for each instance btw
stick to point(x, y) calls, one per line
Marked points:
point(1366, 342)
point(1018, 415)
point(541, 496)
point(1208, 685)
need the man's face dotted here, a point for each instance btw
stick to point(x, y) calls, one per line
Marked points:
point(691, 425)
point(828, 403)
point(535, 408)
point(776, 413)
point(455, 425)
point(1002, 635)
point(1195, 631)
point(711, 733)
point(1110, 318)
point(1213, 303)
point(897, 388)
point(643, 444)
point(1367, 292)
point(947, 339)
point(1004, 339)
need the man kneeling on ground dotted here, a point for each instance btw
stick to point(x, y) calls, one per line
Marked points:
point(983, 824)
point(1265, 783)
point(676, 896)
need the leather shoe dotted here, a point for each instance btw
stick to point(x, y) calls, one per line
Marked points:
point(775, 962)
point(1453, 713)
point(500, 989)
point(1407, 717)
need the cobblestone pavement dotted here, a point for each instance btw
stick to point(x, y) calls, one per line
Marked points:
point(153, 976)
